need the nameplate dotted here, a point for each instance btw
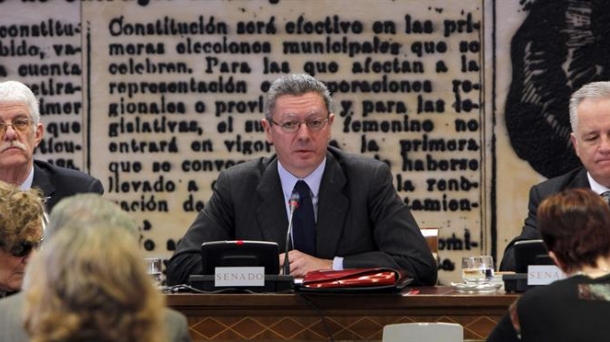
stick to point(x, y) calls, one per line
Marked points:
point(239, 276)
point(543, 274)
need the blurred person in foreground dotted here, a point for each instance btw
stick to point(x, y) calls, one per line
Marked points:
point(590, 121)
point(89, 282)
point(20, 133)
point(21, 225)
point(575, 226)
point(360, 221)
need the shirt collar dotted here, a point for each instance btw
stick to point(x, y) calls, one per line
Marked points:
point(595, 186)
point(313, 180)
point(27, 183)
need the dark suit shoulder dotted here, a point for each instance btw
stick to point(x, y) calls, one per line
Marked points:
point(57, 182)
point(251, 167)
point(576, 178)
point(59, 172)
point(349, 160)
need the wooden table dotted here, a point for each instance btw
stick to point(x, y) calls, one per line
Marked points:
point(348, 317)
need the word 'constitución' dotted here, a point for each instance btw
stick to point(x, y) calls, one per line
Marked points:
point(47, 28)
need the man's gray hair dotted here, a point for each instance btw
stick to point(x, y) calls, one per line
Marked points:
point(295, 84)
point(593, 90)
point(14, 91)
point(86, 210)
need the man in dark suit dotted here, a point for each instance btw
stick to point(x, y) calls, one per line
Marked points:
point(20, 132)
point(590, 121)
point(360, 219)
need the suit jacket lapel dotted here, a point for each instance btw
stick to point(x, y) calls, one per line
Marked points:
point(271, 213)
point(332, 208)
point(42, 182)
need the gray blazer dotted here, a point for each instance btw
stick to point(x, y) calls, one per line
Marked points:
point(360, 217)
point(11, 329)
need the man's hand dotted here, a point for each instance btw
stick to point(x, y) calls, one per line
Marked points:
point(301, 263)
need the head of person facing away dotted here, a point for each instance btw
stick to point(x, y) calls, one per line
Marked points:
point(590, 121)
point(575, 226)
point(298, 119)
point(89, 282)
point(21, 229)
point(20, 131)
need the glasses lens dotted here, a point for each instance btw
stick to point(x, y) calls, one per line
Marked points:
point(315, 125)
point(24, 248)
point(20, 125)
point(293, 126)
point(290, 126)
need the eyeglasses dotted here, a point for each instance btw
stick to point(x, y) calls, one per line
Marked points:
point(25, 247)
point(293, 126)
point(20, 124)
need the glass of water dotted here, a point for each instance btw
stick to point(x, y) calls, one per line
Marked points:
point(155, 269)
point(477, 270)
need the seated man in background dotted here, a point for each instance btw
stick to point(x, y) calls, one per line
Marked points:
point(360, 221)
point(590, 121)
point(575, 226)
point(90, 276)
point(20, 132)
point(21, 223)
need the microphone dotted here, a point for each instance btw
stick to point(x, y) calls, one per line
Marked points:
point(293, 204)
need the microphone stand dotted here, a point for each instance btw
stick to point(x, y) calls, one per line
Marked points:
point(293, 203)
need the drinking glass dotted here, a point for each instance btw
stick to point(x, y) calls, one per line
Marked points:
point(154, 268)
point(477, 270)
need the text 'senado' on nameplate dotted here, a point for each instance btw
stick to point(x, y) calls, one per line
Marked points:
point(543, 274)
point(239, 276)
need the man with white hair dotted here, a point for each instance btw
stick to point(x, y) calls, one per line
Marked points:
point(20, 133)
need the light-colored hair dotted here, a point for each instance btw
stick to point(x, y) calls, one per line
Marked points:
point(14, 91)
point(593, 90)
point(86, 209)
point(89, 282)
point(295, 84)
point(21, 215)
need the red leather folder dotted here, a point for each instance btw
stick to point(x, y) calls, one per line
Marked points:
point(356, 279)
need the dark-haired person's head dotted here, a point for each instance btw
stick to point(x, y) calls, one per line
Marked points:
point(575, 226)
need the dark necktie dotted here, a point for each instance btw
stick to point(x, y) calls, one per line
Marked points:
point(303, 224)
point(606, 196)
